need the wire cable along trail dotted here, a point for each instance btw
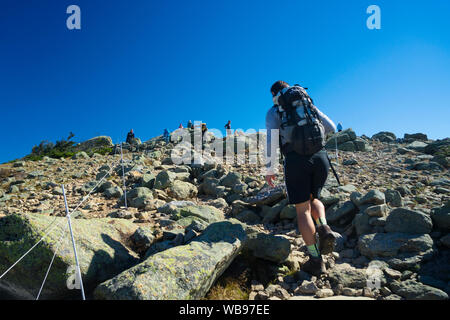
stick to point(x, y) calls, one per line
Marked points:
point(52, 226)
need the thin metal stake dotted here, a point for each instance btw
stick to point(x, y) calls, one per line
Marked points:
point(335, 139)
point(73, 243)
point(123, 175)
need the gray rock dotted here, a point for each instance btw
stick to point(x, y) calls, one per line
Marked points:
point(413, 290)
point(441, 217)
point(423, 165)
point(416, 136)
point(392, 244)
point(268, 247)
point(274, 213)
point(350, 162)
point(288, 212)
point(231, 179)
point(100, 250)
point(95, 143)
point(362, 224)
point(348, 188)
point(372, 197)
point(80, 155)
point(113, 192)
point(393, 198)
point(205, 213)
point(340, 211)
point(407, 221)
point(307, 287)
point(417, 146)
point(248, 216)
point(445, 240)
point(171, 207)
point(138, 197)
point(181, 190)
point(277, 291)
point(164, 179)
point(377, 211)
point(148, 180)
point(143, 238)
point(182, 272)
point(348, 276)
point(384, 136)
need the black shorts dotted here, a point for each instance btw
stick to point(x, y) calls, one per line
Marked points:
point(305, 175)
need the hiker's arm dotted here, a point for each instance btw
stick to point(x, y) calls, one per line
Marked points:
point(328, 124)
point(272, 123)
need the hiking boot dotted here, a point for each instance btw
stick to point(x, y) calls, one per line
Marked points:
point(327, 239)
point(314, 266)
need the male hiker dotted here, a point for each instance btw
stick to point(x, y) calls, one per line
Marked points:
point(339, 127)
point(302, 130)
point(130, 136)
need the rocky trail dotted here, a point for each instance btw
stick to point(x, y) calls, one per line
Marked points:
point(206, 231)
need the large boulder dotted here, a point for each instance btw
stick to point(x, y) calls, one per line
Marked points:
point(415, 136)
point(231, 179)
point(343, 211)
point(417, 146)
point(372, 197)
point(413, 290)
point(393, 244)
point(206, 213)
point(340, 138)
point(350, 277)
point(408, 221)
point(439, 147)
point(384, 136)
point(441, 217)
point(164, 179)
point(180, 273)
point(393, 198)
point(100, 248)
point(95, 144)
point(138, 197)
point(181, 190)
point(272, 214)
point(267, 246)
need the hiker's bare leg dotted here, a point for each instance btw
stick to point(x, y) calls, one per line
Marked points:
point(305, 222)
point(317, 209)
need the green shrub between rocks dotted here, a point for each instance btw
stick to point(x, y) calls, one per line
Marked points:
point(61, 149)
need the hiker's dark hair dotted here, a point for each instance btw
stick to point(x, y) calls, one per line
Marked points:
point(278, 86)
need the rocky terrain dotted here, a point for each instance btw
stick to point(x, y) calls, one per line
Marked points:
point(216, 231)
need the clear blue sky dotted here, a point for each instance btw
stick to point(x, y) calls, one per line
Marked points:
point(148, 65)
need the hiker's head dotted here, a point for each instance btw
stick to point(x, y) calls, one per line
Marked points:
point(277, 87)
point(131, 131)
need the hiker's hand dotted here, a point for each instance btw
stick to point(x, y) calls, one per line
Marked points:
point(270, 178)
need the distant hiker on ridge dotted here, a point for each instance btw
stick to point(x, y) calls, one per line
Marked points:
point(190, 125)
point(130, 137)
point(228, 128)
point(302, 128)
point(166, 135)
point(339, 127)
point(181, 126)
point(204, 129)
